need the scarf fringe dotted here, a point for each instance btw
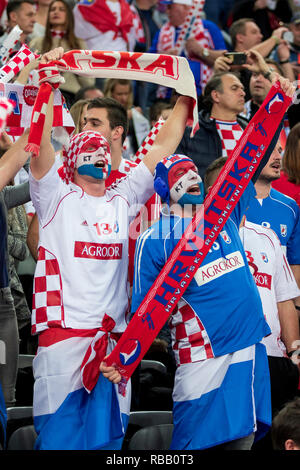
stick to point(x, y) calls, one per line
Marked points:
point(32, 148)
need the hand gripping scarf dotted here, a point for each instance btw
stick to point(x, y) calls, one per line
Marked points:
point(171, 71)
point(199, 236)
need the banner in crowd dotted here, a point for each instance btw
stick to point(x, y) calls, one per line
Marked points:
point(24, 97)
point(199, 236)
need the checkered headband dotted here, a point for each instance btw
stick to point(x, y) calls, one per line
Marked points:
point(80, 143)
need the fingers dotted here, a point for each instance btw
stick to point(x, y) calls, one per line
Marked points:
point(54, 54)
point(112, 374)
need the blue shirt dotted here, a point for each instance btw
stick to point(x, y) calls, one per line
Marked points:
point(280, 213)
point(222, 293)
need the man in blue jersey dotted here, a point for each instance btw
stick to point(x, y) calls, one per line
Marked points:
point(275, 210)
point(222, 391)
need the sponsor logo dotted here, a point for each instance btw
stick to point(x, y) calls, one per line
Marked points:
point(130, 352)
point(275, 104)
point(29, 94)
point(98, 250)
point(219, 267)
point(283, 230)
point(264, 257)
point(225, 236)
point(263, 280)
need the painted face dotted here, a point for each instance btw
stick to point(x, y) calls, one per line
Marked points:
point(185, 184)
point(89, 154)
point(94, 161)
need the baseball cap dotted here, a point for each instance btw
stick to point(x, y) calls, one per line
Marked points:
point(296, 18)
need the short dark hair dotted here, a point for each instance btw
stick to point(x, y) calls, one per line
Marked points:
point(116, 113)
point(214, 166)
point(14, 5)
point(214, 83)
point(238, 27)
point(286, 425)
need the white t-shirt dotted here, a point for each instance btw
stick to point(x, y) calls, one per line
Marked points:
point(81, 273)
point(273, 277)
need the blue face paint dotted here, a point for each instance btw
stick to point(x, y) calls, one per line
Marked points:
point(91, 170)
point(188, 198)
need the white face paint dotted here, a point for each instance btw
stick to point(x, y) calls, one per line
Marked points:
point(94, 163)
point(187, 182)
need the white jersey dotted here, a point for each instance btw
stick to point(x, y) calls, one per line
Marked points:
point(81, 273)
point(273, 277)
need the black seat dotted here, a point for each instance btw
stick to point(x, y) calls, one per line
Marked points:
point(141, 419)
point(18, 416)
point(22, 439)
point(157, 437)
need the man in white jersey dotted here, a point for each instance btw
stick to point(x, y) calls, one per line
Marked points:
point(80, 296)
point(277, 288)
point(275, 210)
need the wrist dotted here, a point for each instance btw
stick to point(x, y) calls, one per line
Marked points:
point(284, 61)
point(293, 352)
point(276, 39)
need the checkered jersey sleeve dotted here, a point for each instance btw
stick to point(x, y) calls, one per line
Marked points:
point(46, 193)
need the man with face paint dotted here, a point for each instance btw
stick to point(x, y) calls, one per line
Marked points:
point(221, 392)
point(80, 299)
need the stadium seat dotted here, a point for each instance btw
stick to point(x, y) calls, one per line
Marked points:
point(17, 417)
point(141, 419)
point(156, 365)
point(25, 360)
point(22, 439)
point(157, 437)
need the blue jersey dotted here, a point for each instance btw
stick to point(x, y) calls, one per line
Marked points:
point(220, 311)
point(280, 213)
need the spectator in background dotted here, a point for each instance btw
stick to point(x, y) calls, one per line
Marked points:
point(78, 111)
point(23, 14)
point(286, 427)
point(39, 28)
point(108, 25)
point(202, 49)
point(121, 90)
point(289, 181)
point(267, 15)
point(88, 93)
point(60, 32)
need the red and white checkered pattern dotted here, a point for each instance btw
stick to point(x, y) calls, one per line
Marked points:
point(6, 107)
point(188, 25)
point(77, 145)
point(230, 133)
point(189, 337)
point(47, 299)
point(17, 63)
point(148, 142)
point(8, 45)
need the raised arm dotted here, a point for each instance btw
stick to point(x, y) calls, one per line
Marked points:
point(170, 134)
point(41, 165)
point(13, 160)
